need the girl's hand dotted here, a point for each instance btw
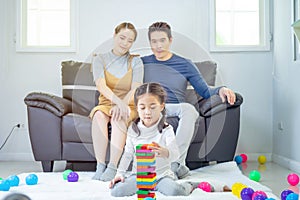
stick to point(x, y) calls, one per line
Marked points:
point(116, 180)
point(159, 150)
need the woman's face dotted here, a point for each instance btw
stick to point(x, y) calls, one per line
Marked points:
point(123, 41)
point(149, 109)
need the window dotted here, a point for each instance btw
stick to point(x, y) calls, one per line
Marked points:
point(46, 26)
point(240, 25)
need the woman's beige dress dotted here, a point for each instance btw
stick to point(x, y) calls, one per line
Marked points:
point(120, 87)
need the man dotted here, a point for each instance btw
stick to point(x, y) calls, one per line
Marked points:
point(173, 73)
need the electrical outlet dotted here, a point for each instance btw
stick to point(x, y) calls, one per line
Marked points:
point(21, 126)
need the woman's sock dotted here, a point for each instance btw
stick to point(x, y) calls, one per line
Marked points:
point(99, 171)
point(109, 173)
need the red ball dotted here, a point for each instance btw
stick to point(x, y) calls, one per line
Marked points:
point(244, 157)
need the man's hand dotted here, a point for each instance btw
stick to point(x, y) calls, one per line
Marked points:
point(226, 92)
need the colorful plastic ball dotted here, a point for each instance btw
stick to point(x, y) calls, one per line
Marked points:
point(31, 179)
point(254, 175)
point(295, 189)
point(4, 185)
point(262, 159)
point(270, 199)
point(260, 197)
point(148, 198)
point(238, 159)
point(205, 186)
point(237, 188)
point(66, 173)
point(285, 193)
point(246, 193)
point(244, 157)
point(73, 177)
point(13, 180)
point(293, 179)
point(258, 192)
point(292, 196)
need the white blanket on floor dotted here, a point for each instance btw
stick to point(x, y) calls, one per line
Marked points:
point(52, 186)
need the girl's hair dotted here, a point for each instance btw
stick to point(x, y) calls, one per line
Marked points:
point(126, 25)
point(160, 26)
point(154, 89)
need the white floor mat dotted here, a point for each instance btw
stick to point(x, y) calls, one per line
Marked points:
point(52, 185)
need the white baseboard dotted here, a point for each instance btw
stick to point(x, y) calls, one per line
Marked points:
point(16, 157)
point(286, 162)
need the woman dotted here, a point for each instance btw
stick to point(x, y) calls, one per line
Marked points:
point(117, 74)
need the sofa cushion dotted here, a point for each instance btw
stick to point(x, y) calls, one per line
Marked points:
point(78, 86)
point(76, 128)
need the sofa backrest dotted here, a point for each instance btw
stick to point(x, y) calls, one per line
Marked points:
point(79, 87)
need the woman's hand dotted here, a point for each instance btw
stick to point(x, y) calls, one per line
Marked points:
point(120, 111)
point(116, 180)
point(159, 150)
point(227, 93)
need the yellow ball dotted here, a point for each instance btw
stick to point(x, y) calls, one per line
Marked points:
point(262, 159)
point(237, 188)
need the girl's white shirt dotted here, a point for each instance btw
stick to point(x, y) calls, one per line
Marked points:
point(148, 135)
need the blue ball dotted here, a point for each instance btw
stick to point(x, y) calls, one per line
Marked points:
point(292, 196)
point(238, 159)
point(285, 193)
point(4, 185)
point(13, 180)
point(31, 179)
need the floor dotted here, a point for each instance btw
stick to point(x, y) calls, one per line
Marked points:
point(272, 175)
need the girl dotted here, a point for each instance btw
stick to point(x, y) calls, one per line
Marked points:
point(117, 74)
point(150, 127)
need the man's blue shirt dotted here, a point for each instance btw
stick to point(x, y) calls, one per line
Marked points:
point(174, 75)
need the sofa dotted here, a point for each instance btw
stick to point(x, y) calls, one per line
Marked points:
point(60, 129)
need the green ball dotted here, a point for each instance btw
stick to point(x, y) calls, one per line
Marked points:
point(66, 173)
point(254, 175)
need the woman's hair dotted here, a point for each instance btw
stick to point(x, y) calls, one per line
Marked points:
point(126, 25)
point(159, 26)
point(154, 89)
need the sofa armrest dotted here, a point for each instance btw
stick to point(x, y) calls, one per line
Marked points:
point(57, 105)
point(214, 104)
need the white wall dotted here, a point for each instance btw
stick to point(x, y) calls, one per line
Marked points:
point(248, 73)
point(286, 88)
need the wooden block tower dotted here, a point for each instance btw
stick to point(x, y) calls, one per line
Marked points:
point(146, 175)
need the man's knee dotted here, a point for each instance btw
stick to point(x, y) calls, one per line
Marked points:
point(189, 110)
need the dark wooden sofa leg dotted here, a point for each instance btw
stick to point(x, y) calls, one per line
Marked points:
point(47, 165)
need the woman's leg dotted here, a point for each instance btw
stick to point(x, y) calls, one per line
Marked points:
point(169, 187)
point(117, 143)
point(100, 141)
point(126, 188)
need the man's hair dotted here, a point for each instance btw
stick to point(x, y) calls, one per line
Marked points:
point(159, 26)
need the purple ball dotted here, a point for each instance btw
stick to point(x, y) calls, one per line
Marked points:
point(73, 177)
point(260, 197)
point(285, 193)
point(246, 193)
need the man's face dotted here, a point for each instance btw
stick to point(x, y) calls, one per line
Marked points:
point(160, 45)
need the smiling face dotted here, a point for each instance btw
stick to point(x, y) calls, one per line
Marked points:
point(123, 41)
point(160, 45)
point(149, 109)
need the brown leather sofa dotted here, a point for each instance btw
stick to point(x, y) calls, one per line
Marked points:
point(60, 129)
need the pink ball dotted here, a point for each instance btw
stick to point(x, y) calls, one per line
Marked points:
point(205, 186)
point(293, 179)
point(257, 193)
point(244, 157)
